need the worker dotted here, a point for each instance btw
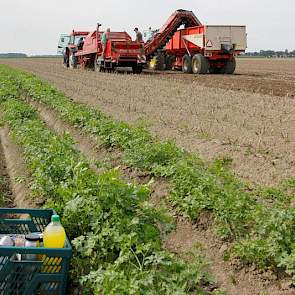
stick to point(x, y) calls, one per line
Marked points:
point(138, 35)
point(104, 40)
point(80, 43)
point(149, 34)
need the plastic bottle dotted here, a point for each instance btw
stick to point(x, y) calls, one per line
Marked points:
point(54, 235)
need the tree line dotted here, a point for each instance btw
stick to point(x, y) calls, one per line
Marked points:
point(271, 53)
point(12, 55)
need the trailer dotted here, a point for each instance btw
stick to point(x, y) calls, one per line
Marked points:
point(196, 48)
point(120, 53)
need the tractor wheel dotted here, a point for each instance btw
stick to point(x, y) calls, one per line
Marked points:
point(72, 61)
point(230, 66)
point(65, 60)
point(200, 64)
point(169, 60)
point(160, 66)
point(98, 67)
point(186, 64)
point(157, 63)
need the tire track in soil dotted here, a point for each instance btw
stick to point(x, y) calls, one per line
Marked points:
point(17, 172)
point(231, 276)
point(5, 191)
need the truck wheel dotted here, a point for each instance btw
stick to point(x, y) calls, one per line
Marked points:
point(72, 61)
point(230, 66)
point(97, 66)
point(186, 64)
point(200, 64)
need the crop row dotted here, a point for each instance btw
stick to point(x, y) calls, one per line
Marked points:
point(118, 247)
point(261, 223)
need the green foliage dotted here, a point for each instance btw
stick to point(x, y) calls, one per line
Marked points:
point(195, 186)
point(260, 221)
point(115, 232)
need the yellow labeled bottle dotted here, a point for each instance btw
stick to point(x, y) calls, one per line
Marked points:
point(54, 235)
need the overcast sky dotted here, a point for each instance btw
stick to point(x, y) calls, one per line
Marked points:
point(34, 26)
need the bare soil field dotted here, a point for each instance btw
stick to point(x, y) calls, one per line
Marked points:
point(248, 117)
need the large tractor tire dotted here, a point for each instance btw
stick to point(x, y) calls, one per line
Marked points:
point(169, 61)
point(72, 61)
point(200, 64)
point(65, 59)
point(157, 63)
point(230, 66)
point(98, 67)
point(187, 64)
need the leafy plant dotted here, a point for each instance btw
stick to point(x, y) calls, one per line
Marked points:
point(118, 248)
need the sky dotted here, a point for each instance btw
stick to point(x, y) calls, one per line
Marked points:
point(34, 26)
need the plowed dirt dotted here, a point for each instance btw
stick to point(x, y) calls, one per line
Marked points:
point(248, 117)
point(5, 191)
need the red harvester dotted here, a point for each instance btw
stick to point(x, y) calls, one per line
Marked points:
point(195, 48)
point(68, 46)
point(121, 53)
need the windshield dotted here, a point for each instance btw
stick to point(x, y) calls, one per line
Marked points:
point(75, 39)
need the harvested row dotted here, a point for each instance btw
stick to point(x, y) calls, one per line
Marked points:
point(112, 226)
point(5, 192)
point(239, 215)
point(209, 121)
point(19, 177)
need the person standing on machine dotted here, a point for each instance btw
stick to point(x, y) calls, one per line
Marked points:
point(104, 40)
point(138, 36)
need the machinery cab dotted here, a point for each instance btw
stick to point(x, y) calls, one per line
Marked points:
point(63, 43)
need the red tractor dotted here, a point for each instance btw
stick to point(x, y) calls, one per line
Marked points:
point(120, 53)
point(68, 45)
point(195, 48)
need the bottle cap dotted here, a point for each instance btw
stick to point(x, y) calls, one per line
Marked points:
point(55, 218)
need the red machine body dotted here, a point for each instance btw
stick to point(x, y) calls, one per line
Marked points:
point(71, 47)
point(194, 40)
point(120, 52)
point(160, 39)
point(196, 48)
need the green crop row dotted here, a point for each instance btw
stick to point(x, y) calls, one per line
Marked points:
point(115, 232)
point(262, 231)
